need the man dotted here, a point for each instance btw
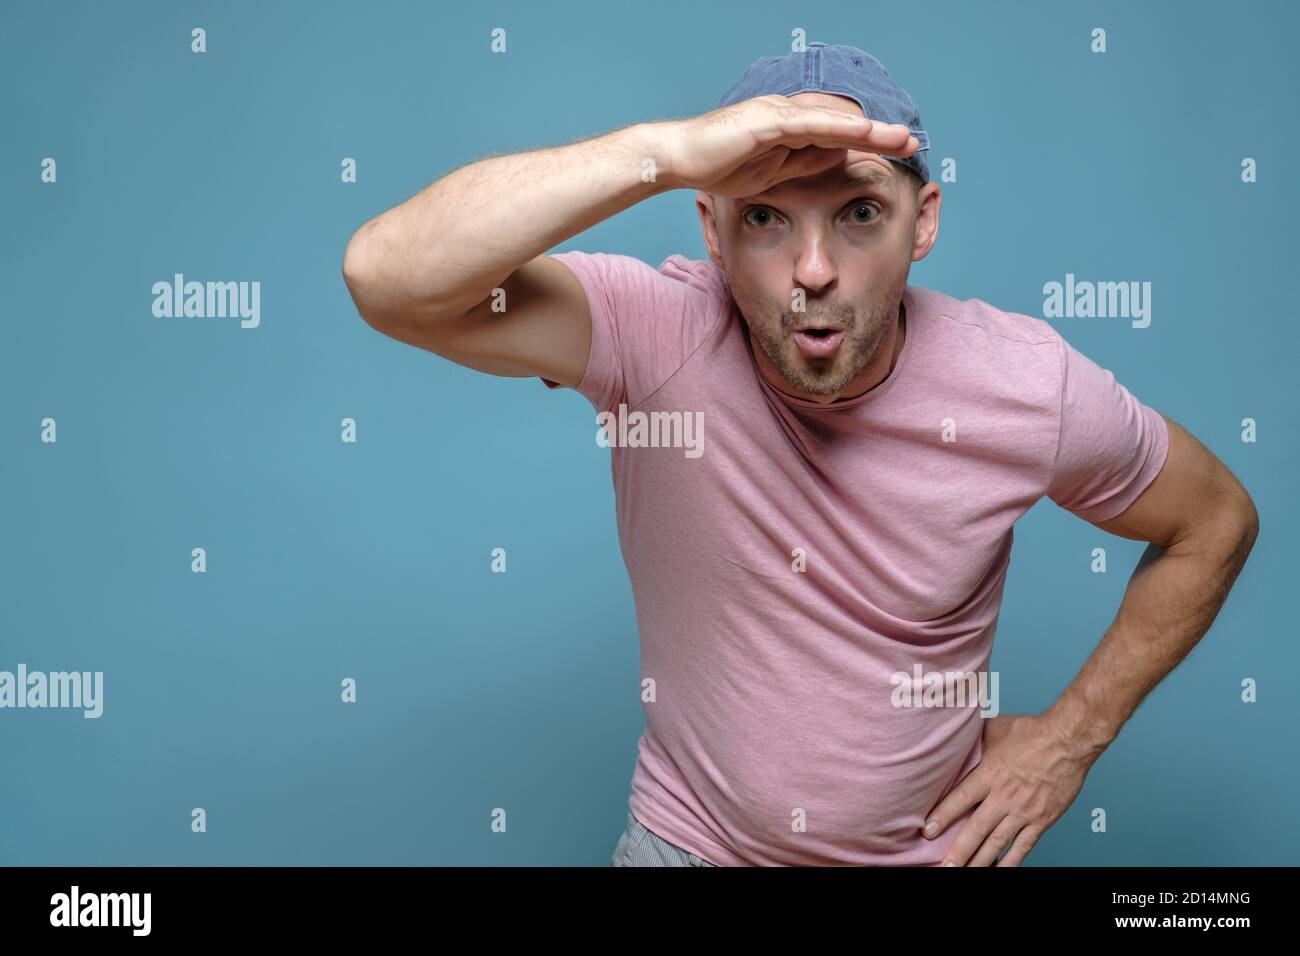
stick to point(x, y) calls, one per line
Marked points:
point(870, 445)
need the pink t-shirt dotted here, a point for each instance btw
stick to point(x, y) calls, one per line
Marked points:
point(773, 737)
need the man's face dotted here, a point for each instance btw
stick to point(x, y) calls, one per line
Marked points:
point(847, 238)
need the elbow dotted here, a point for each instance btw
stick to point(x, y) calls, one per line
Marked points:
point(354, 264)
point(1243, 525)
point(361, 273)
point(1249, 521)
point(384, 289)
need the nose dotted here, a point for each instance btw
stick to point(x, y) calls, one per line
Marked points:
point(813, 269)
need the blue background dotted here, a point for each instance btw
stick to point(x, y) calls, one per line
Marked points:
point(326, 560)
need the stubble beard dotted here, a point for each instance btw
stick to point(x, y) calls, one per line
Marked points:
point(863, 332)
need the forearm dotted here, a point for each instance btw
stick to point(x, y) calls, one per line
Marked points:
point(444, 250)
point(1171, 600)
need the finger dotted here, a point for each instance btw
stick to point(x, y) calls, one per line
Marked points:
point(972, 789)
point(855, 147)
point(1020, 847)
point(807, 162)
point(881, 140)
point(806, 126)
point(853, 156)
point(794, 119)
point(972, 835)
point(995, 843)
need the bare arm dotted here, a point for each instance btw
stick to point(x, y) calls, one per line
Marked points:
point(1202, 525)
point(426, 271)
point(418, 271)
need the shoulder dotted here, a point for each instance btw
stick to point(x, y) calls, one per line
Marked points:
point(977, 320)
point(700, 274)
point(646, 321)
point(678, 284)
point(974, 339)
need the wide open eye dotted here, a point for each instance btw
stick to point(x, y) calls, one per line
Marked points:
point(863, 213)
point(760, 216)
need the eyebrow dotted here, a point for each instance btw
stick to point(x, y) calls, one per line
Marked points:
point(867, 175)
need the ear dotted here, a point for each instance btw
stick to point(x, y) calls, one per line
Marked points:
point(708, 206)
point(926, 230)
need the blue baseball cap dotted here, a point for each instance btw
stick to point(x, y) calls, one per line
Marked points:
point(844, 71)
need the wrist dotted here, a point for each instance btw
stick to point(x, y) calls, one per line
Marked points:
point(1081, 729)
point(648, 145)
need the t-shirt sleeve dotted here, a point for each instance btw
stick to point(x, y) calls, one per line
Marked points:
point(644, 325)
point(1110, 447)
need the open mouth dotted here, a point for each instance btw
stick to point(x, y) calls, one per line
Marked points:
point(818, 342)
